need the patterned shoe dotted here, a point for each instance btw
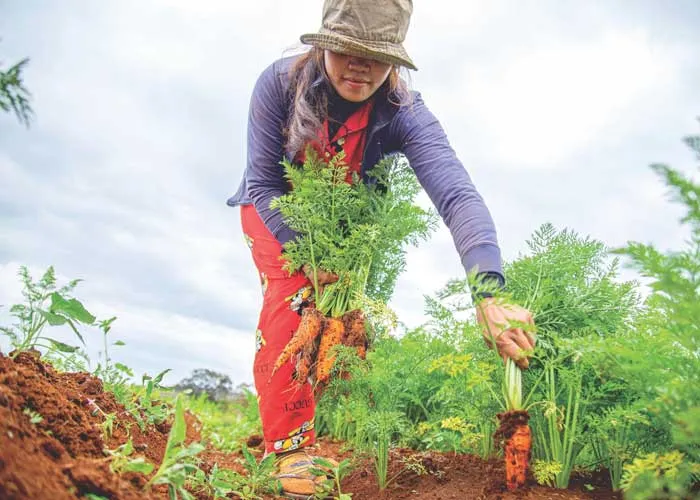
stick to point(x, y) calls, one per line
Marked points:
point(295, 475)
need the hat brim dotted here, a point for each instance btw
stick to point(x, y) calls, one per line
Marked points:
point(386, 52)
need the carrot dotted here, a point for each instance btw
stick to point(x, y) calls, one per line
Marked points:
point(309, 328)
point(517, 442)
point(306, 361)
point(332, 336)
point(355, 333)
point(517, 455)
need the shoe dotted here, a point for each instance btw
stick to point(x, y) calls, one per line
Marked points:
point(294, 474)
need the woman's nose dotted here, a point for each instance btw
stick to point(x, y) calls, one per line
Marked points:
point(359, 63)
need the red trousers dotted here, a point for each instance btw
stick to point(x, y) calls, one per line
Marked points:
point(286, 408)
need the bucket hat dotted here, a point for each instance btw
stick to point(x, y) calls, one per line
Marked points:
point(374, 29)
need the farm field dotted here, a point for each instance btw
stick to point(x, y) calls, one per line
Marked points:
point(611, 394)
point(62, 456)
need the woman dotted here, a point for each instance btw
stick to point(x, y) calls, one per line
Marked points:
point(345, 93)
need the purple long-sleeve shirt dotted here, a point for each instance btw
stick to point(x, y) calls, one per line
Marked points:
point(409, 129)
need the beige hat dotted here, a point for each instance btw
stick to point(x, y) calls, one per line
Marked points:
point(374, 29)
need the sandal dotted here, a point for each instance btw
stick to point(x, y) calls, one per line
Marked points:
point(294, 473)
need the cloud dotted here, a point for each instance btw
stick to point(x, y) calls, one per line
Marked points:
point(555, 110)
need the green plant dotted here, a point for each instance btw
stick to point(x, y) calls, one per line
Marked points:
point(546, 473)
point(45, 305)
point(334, 474)
point(110, 373)
point(121, 461)
point(616, 440)
point(13, 94)
point(260, 479)
point(110, 419)
point(178, 462)
point(672, 330)
point(355, 230)
point(34, 416)
point(664, 476)
point(380, 431)
point(218, 483)
point(141, 401)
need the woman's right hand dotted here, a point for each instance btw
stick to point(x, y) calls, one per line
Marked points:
point(323, 278)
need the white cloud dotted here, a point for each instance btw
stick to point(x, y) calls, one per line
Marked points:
point(140, 137)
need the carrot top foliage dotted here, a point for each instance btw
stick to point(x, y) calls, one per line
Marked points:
point(356, 230)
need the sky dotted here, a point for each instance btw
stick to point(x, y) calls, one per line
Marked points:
point(556, 108)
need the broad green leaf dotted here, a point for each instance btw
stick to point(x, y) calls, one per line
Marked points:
point(251, 463)
point(53, 319)
point(177, 433)
point(71, 308)
point(139, 465)
point(323, 462)
point(268, 461)
point(119, 342)
point(61, 347)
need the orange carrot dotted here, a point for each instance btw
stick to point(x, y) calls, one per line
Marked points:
point(332, 336)
point(309, 328)
point(517, 455)
point(517, 442)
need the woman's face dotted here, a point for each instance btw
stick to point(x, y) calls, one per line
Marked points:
point(355, 78)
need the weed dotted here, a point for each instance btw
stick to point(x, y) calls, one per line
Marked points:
point(334, 474)
point(34, 416)
point(260, 478)
point(121, 461)
point(45, 305)
point(178, 463)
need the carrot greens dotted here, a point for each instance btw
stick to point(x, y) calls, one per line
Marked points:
point(357, 230)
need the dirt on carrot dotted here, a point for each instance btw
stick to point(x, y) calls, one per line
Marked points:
point(332, 335)
point(355, 331)
point(309, 328)
point(514, 434)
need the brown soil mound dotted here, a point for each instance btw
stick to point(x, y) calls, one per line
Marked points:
point(61, 456)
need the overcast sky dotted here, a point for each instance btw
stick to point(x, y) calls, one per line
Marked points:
point(555, 107)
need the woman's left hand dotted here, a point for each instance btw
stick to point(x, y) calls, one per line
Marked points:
point(502, 325)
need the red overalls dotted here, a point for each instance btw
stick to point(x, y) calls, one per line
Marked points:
point(286, 408)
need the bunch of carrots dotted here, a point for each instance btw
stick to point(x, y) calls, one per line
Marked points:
point(315, 339)
point(354, 230)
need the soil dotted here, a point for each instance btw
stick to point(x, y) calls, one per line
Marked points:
point(61, 456)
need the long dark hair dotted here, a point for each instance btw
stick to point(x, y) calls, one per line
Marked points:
point(310, 87)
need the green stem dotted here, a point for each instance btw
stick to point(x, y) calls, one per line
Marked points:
point(512, 386)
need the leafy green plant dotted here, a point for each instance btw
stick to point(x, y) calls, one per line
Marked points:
point(616, 440)
point(659, 476)
point(141, 401)
point(13, 94)
point(34, 416)
point(219, 483)
point(546, 473)
point(122, 462)
point(111, 373)
point(260, 479)
point(45, 305)
point(334, 474)
point(178, 462)
point(355, 230)
point(380, 431)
